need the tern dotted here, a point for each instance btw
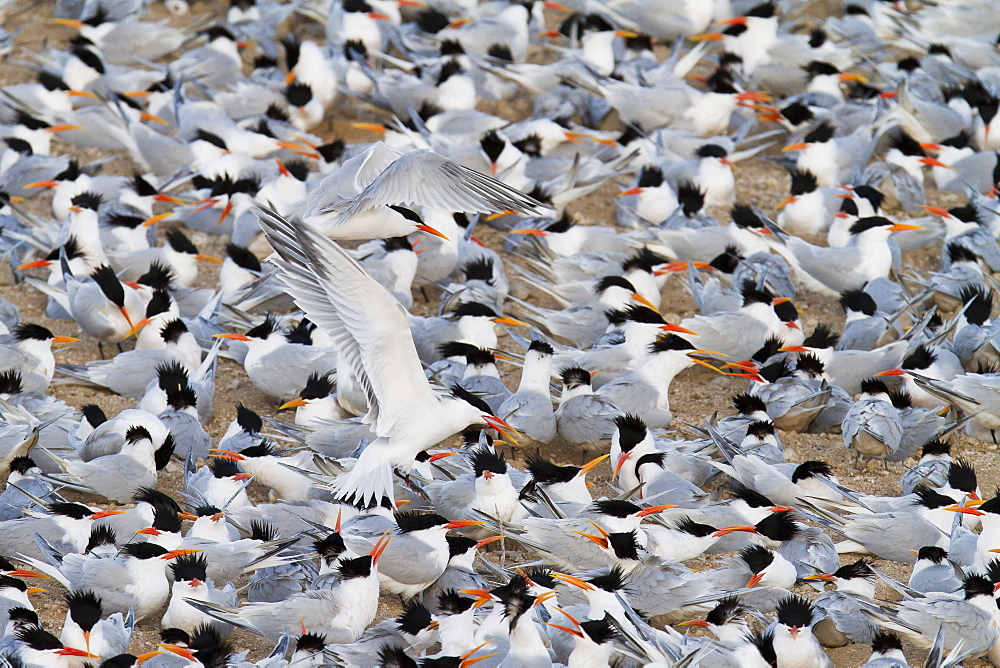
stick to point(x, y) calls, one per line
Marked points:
point(336, 292)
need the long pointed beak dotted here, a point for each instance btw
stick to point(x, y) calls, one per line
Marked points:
point(460, 524)
point(137, 326)
point(72, 23)
point(178, 650)
point(21, 573)
point(64, 339)
point(173, 554)
point(146, 116)
point(379, 547)
point(900, 227)
point(620, 463)
point(936, 210)
point(678, 329)
point(486, 541)
point(755, 579)
point(294, 403)
point(507, 320)
point(153, 220)
point(586, 468)
point(826, 577)
point(965, 510)
point(642, 300)
point(63, 128)
point(573, 580)
point(531, 231)
point(234, 337)
point(107, 513)
point(652, 510)
point(33, 265)
point(430, 230)
point(694, 622)
point(143, 658)
point(225, 211)
point(601, 541)
point(725, 531)
point(373, 127)
point(892, 372)
point(42, 184)
point(501, 426)
point(707, 37)
point(441, 455)
point(631, 191)
point(934, 162)
point(795, 147)
point(573, 632)
point(163, 197)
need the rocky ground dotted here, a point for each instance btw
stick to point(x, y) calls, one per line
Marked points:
point(695, 394)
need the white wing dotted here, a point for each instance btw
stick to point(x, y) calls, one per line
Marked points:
point(425, 178)
point(368, 327)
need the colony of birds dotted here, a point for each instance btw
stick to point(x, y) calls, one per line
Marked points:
point(365, 285)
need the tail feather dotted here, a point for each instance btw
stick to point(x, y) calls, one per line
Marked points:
point(368, 482)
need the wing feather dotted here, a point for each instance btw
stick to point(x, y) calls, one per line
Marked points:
point(368, 327)
point(426, 178)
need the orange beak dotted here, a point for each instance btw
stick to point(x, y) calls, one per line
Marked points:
point(64, 339)
point(153, 220)
point(42, 184)
point(755, 580)
point(694, 622)
point(234, 337)
point(795, 147)
point(33, 265)
point(459, 524)
point(106, 513)
point(899, 227)
point(430, 230)
point(586, 468)
point(936, 210)
point(652, 510)
point(294, 403)
point(631, 191)
point(892, 372)
point(934, 162)
point(677, 328)
point(728, 530)
point(173, 554)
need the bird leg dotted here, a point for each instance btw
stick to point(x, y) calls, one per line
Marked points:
point(100, 349)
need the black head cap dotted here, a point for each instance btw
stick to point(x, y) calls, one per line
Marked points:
point(573, 377)
point(803, 181)
point(921, 358)
point(885, 642)
point(631, 431)
point(779, 526)
point(976, 585)
point(190, 567)
point(870, 223)
point(318, 386)
point(820, 134)
point(265, 329)
point(484, 459)
point(933, 553)
point(962, 476)
point(691, 197)
point(795, 611)
point(822, 337)
point(745, 403)
point(809, 469)
point(544, 472)
point(858, 300)
point(413, 521)
point(450, 602)
point(756, 557)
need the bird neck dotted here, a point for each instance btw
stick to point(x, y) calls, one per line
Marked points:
point(535, 373)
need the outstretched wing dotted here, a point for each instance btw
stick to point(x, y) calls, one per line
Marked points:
point(426, 178)
point(369, 328)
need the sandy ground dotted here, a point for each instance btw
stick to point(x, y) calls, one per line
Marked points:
point(695, 394)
